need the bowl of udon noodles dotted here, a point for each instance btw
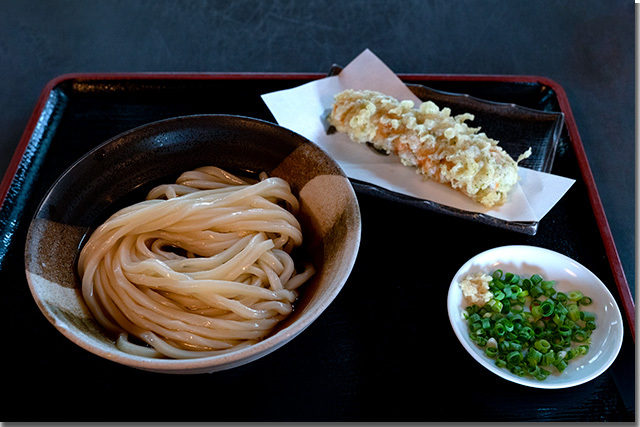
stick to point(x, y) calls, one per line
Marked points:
point(193, 244)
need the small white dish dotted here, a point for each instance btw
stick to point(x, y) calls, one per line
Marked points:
point(569, 275)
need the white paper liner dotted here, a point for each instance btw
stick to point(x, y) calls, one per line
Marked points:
point(303, 109)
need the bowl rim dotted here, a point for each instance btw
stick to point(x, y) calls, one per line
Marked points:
point(222, 361)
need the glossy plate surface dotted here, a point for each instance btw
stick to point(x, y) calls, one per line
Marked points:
point(569, 275)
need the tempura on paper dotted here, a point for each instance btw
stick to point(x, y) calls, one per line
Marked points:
point(442, 147)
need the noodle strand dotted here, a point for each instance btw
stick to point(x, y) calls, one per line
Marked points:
point(201, 267)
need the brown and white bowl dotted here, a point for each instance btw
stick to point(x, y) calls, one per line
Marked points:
point(121, 170)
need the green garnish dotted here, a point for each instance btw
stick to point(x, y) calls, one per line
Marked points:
point(553, 331)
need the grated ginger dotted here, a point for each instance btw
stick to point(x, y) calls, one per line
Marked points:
point(475, 289)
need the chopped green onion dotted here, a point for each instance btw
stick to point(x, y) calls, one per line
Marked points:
point(508, 324)
point(533, 370)
point(560, 364)
point(517, 309)
point(536, 310)
point(535, 291)
point(499, 329)
point(543, 374)
point(548, 358)
point(486, 323)
point(559, 319)
point(514, 358)
point(542, 346)
point(573, 312)
point(547, 284)
point(515, 345)
point(507, 292)
point(589, 316)
point(565, 331)
point(491, 352)
point(579, 336)
point(526, 333)
point(475, 317)
point(561, 309)
point(524, 341)
point(575, 295)
point(518, 370)
point(547, 307)
point(534, 356)
point(495, 305)
point(516, 317)
point(585, 301)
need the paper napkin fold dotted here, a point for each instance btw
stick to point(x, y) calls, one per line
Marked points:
point(303, 109)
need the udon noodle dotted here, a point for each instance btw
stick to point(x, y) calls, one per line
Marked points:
point(201, 267)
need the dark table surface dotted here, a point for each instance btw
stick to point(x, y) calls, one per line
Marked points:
point(586, 47)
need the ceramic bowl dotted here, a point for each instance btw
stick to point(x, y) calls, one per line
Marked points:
point(121, 170)
point(569, 275)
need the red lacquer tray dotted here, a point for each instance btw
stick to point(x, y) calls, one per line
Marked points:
point(383, 350)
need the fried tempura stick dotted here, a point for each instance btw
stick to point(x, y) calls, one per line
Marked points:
point(440, 146)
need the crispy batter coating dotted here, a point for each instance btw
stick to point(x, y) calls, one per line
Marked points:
point(442, 147)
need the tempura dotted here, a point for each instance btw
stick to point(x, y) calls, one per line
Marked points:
point(442, 147)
